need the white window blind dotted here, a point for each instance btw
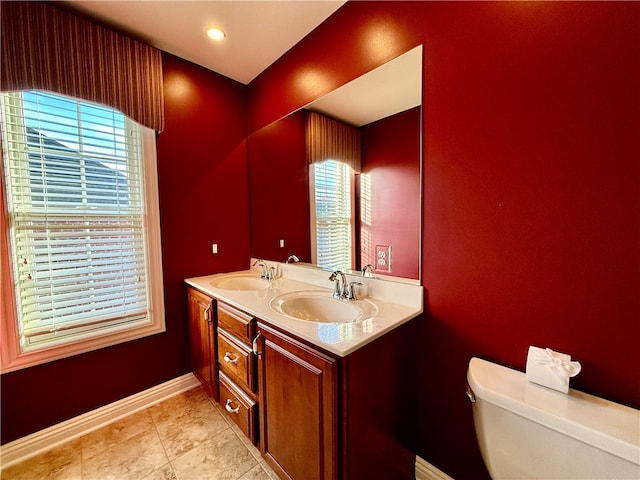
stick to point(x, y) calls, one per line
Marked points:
point(75, 201)
point(333, 213)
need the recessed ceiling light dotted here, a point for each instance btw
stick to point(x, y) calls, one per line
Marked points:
point(215, 33)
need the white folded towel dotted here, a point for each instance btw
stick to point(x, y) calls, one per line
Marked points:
point(551, 369)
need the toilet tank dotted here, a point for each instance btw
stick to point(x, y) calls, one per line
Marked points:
point(525, 430)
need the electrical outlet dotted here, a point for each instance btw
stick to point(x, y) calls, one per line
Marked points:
point(214, 248)
point(383, 258)
point(281, 243)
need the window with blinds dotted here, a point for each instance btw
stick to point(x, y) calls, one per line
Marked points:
point(332, 204)
point(76, 213)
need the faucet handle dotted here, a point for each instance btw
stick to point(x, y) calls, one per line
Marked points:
point(271, 273)
point(349, 292)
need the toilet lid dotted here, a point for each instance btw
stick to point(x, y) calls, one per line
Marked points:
point(601, 423)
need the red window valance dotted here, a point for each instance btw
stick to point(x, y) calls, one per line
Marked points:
point(46, 48)
point(329, 139)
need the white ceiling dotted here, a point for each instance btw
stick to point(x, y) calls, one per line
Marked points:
point(391, 88)
point(257, 32)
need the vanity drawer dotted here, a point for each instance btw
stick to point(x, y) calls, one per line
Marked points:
point(236, 322)
point(236, 360)
point(240, 407)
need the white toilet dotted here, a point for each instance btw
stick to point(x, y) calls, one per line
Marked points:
point(528, 431)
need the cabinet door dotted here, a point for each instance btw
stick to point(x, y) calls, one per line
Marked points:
point(298, 407)
point(202, 341)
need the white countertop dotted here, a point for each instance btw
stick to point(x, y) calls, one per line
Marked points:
point(338, 338)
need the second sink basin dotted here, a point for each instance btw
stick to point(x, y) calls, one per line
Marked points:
point(320, 306)
point(240, 282)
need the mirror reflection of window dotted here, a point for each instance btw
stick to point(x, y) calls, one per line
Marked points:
point(367, 250)
point(333, 206)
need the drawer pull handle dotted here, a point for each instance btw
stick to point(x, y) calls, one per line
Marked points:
point(228, 408)
point(228, 359)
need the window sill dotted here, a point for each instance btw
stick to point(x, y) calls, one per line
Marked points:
point(22, 360)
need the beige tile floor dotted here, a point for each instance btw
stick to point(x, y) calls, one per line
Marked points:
point(187, 437)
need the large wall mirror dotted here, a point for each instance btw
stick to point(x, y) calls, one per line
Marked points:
point(385, 105)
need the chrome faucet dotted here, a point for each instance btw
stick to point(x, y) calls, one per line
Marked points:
point(369, 267)
point(271, 273)
point(340, 285)
point(265, 271)
point(292, 258)
point(343, 290)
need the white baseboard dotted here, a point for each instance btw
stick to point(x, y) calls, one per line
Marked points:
point(426, 471)
point(39, 442)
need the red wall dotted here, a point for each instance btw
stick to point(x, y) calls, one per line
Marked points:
point(391, 158)
point(531, 147)
point(203, 198)
point(279, 190)
point(530, 226)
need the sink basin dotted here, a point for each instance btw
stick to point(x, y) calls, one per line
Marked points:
point(240, 282)
point(320, 306)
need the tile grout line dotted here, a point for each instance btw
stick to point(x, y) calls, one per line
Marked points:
point(231, 424)
point(246, 443)
point(164, 449)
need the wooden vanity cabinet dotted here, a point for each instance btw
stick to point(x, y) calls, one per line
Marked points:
point(324, 417)
point(237, 368)
point(202, 337)
point(298, 407)
point(314, 415)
